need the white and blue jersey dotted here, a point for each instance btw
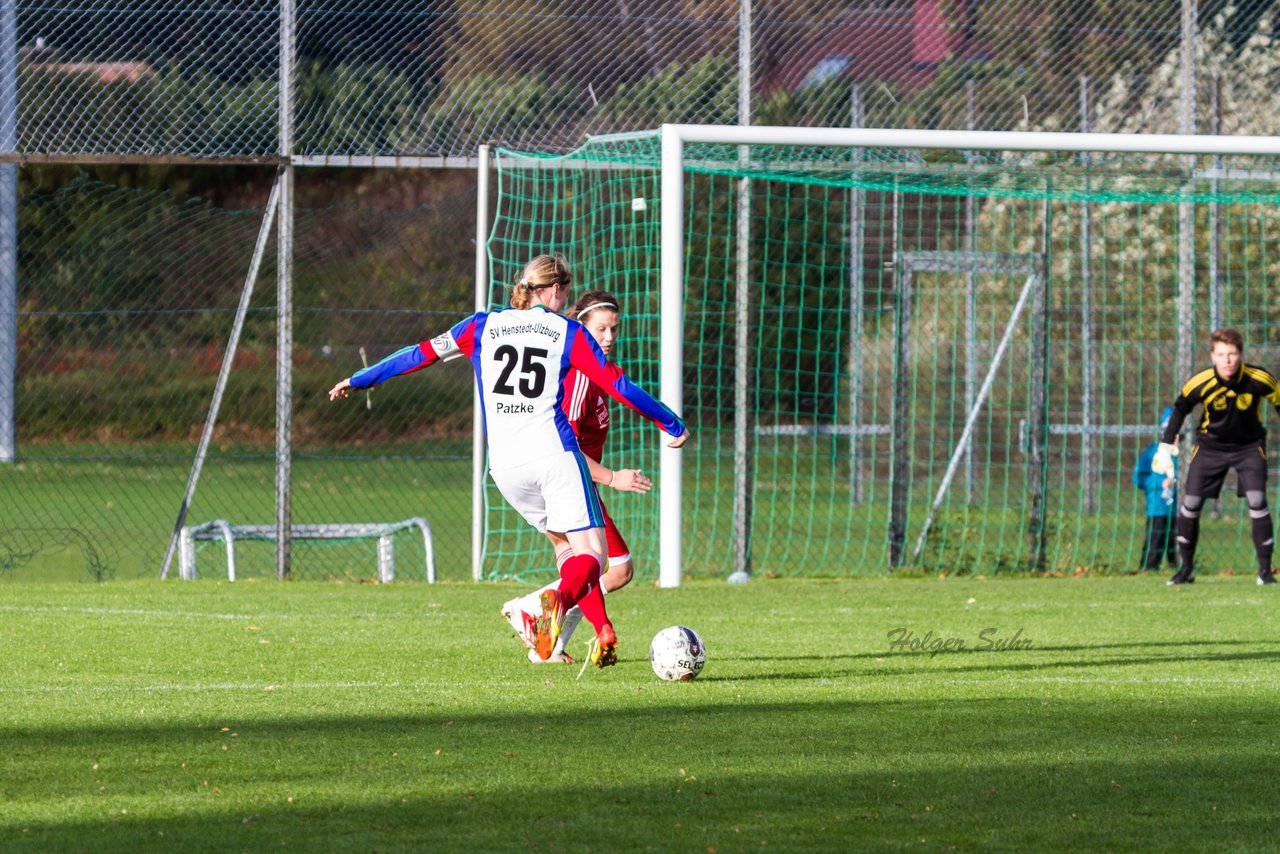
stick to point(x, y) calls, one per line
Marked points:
point(522, 359)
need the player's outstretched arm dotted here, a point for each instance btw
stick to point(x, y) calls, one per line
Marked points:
point(404, 361)
point(407, 360)
point(586, 356)
point(341, 390)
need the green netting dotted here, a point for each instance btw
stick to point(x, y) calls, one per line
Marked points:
point(882, 285)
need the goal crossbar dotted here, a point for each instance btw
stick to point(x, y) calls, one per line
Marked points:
point(964, 140)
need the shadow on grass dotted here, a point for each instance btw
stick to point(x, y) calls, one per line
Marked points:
point(1014, 773)
point(1036, 648)
point(1010, 661)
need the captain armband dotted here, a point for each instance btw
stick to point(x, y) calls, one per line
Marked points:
point(446, 348)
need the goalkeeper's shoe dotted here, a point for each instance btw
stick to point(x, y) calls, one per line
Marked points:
point(557, 657)
point(520, 620)
point(549, 623)
point(1186, 575)
point(604, 651)
point(1265, 577)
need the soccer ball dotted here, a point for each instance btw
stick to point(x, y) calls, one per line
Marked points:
point(677, 654)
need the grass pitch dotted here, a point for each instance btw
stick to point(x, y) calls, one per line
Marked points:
point(832, 715)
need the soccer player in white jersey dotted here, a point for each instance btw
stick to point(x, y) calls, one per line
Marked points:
point(587, 408)
point(521, 357)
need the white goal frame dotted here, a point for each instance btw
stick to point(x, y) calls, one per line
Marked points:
point(671, 325)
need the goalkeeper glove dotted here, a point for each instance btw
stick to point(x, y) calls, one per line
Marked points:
point(1163, 461)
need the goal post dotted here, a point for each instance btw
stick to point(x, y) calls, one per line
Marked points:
point(885, 271)
point(671, 390)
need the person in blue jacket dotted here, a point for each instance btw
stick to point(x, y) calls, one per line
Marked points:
point(1162, 505)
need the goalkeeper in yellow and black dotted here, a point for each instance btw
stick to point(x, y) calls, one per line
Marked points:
point(1230, 435)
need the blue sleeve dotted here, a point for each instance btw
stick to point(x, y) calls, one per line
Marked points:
point(403, 361)
point(648, 406)
point(585, 355)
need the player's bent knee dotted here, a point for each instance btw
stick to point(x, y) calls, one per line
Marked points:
point(1191, 505)
point(620, 573)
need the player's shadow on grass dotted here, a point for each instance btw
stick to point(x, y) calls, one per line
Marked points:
point(1009, 661)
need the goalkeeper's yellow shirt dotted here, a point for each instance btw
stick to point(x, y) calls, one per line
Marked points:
point(1230, 419)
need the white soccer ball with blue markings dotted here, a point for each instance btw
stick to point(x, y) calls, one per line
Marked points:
point(677, 654)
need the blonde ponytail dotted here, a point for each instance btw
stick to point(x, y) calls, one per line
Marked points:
point(542, 272)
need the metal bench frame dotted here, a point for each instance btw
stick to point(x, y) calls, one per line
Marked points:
point(220, 529)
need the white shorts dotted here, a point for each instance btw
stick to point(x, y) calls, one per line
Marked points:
point(552, 493)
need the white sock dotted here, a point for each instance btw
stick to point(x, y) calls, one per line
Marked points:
point(571, 621)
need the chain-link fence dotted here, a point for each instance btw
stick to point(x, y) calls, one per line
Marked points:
point(110, 78)
point(116, 303)
point(127, 300)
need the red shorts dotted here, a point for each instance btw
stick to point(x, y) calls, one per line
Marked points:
point(618, 550)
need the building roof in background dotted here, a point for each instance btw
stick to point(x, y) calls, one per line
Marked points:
point(902, 48)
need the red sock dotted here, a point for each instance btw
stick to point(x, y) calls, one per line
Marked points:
point(592, 605)
point(580, 585)
point(577, 575)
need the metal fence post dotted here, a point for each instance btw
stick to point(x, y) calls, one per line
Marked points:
point(477, 404)
point(228, 359)
point(284, 307)
point(1186, 212)
point(744, 421)
point(1037, 476)
point(970, 304)
point(900, 477)
point(1215, 210)
point(1088, 476)
point(857, 250)
point(8, 232)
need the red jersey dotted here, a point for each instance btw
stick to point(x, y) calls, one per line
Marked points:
point(587, 408)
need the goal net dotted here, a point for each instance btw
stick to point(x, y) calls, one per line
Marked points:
point(943, 355)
